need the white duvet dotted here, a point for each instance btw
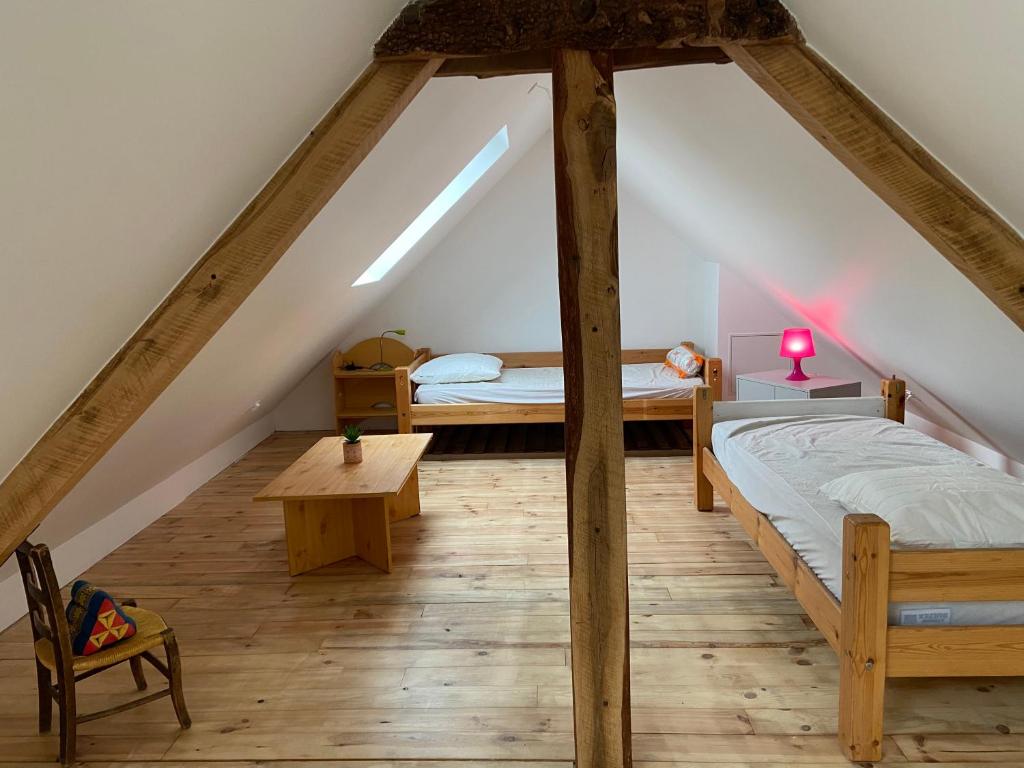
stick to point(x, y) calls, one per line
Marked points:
point(780, 463)
point(545, 385)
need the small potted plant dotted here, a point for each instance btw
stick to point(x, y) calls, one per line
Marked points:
point(352, 448)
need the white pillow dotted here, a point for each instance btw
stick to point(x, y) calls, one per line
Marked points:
point(953, 506)
point(684, 361)
point(460, 368)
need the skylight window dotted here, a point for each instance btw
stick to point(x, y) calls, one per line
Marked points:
point(434, 212)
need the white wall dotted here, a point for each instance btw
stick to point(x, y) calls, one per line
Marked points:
point(746, 186)
point(744, 308)
point(132, 134)
point(292, 317)
point(948, 71)
point(80, 552)
point(492, 285)
point(136, 134)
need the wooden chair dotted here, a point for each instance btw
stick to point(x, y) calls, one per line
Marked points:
point(53, 654)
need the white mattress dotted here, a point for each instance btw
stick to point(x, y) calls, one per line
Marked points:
point(545, 385)
point(778, 464)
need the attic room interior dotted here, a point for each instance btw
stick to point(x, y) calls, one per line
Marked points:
point(522, 383)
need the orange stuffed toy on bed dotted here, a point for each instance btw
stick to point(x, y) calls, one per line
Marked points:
point(685, 362)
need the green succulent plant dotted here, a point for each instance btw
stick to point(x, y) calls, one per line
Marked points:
point(352, 434)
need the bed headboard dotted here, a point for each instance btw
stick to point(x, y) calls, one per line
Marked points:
point(554, 359)
point(707, 412)
point(849, 406)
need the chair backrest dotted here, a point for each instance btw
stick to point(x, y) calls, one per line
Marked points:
point(45, 606)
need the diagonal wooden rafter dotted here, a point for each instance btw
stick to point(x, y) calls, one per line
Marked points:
point(207, 296)
point(958, 224)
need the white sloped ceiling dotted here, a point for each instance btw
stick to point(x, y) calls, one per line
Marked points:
point(949, 71)
point(133, 133)
point(294, 316)
point(755, 191)
point(737, 174)
point(138, 237)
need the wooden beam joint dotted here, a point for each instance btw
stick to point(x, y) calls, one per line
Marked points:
point(539, 62)
point(456, 28)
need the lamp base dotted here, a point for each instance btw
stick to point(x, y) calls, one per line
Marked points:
point(797, 374)
point(382, 366)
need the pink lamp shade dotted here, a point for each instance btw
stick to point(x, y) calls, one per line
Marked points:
point(797, 343)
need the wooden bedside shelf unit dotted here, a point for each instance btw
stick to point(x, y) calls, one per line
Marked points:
point(358, 390)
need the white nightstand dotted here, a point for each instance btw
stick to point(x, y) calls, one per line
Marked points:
point(772, 385)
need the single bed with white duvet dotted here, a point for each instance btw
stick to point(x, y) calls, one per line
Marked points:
point(781, 463)
point(546, 385)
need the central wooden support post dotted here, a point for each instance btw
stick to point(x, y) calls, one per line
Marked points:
point(588, 278)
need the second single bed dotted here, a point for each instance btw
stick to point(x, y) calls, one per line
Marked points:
point(546, 385)
point(530, 391)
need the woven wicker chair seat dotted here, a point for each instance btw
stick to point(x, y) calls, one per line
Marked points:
point(148, 626)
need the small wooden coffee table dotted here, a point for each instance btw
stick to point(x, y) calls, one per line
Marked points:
point(334, 510)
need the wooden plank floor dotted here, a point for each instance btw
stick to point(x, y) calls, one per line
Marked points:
point(459, 658)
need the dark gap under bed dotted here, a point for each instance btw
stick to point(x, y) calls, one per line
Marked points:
point(499, 441)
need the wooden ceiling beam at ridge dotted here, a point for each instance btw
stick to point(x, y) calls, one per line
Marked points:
point(962, 227)
point(456, 28)
point(539, 62)
point(207, 296)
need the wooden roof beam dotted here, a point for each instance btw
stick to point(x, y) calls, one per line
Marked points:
point(958, 224)
point(539, 62)
point(459, 28)
point(206, 297)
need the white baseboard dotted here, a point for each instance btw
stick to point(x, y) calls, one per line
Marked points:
point(84, 550)
point(982, 453)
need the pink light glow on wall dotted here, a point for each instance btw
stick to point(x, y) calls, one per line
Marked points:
point(825, 312)
point(830, 307)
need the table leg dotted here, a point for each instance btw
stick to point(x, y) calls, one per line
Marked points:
point(372, 531)
point(324, 532)
point(318, 532)
point(406, 503)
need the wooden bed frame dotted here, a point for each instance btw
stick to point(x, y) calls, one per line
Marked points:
point(412, 414)
point(870, 651)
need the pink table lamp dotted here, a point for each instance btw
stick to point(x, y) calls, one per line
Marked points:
point(797, 343)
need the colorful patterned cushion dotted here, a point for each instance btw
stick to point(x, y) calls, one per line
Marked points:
point(95, 619)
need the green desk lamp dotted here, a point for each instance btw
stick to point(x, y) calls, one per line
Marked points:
point(382, 366)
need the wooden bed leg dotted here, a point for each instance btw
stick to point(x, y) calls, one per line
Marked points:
point(403, 400)
point(703, 403)
point(862, 636)
point(895, 393)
